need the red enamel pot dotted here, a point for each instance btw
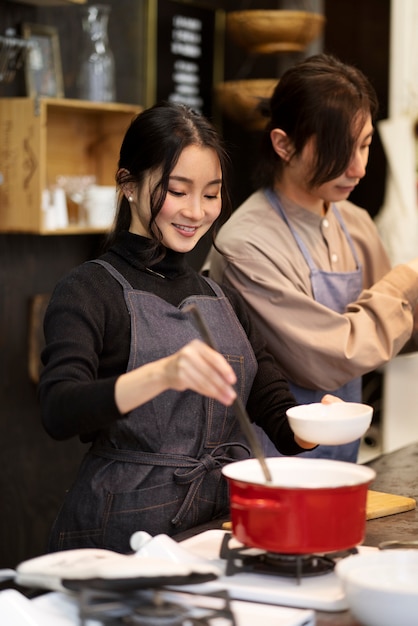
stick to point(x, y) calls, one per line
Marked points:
point(310, 505)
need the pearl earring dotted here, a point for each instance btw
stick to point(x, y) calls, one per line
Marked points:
point(130, 198)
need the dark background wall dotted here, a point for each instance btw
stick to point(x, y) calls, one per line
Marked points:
point(34, 470)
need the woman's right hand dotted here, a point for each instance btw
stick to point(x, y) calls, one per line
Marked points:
point(195, 366)
point(198, 367)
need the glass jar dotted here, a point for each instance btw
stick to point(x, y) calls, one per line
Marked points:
point(96, 80)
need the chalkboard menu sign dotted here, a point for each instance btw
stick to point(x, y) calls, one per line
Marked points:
point(188, 51)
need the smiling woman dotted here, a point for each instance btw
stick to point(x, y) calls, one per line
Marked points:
point(125, 367)
point(193, 201)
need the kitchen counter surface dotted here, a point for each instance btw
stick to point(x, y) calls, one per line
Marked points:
point(396, 473)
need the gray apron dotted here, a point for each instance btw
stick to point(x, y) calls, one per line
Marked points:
point(334, 290)
point(159, 468)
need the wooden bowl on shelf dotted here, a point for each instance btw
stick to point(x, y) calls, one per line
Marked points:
point(239, 100)
point(268, 32)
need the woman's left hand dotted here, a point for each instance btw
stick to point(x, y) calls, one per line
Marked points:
point(327, 399)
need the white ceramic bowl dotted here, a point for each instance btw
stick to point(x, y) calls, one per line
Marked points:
point(381, 587)
point(330, 424)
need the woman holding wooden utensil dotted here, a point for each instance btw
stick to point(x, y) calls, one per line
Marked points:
point(125, 367)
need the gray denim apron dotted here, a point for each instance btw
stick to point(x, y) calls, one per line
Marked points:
point(159, 469)
point(334, 290)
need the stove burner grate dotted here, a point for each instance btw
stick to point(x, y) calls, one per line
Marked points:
point(295, 566)
point(148, 607)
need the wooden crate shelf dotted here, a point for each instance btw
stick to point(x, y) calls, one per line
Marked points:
point(41, 139)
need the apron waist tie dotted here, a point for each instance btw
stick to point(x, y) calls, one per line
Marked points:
point(195, 475)
point(189, 471)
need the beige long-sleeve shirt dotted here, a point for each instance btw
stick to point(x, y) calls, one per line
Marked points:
point(316, 347)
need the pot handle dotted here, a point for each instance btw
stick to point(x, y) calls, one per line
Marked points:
point(239, 502)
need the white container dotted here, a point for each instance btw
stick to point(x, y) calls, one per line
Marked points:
point(381, 587)
point(59, 202)
point(330, 424)
point(54, 207)
point(48, 211)
point(100, 205)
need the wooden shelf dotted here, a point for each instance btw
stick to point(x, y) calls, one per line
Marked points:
point(73, 229)
point(41, 139)
point(49, 3)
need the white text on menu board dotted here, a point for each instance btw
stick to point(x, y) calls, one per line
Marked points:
point(186, 43)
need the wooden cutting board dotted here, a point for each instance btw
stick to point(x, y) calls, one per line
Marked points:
point(380, 504)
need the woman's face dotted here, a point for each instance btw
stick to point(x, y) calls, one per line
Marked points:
point(300, 169)
point(193, 201)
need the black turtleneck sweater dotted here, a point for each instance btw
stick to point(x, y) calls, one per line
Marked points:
point(87, 332)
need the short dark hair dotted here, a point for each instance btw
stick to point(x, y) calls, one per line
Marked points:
point(154, 140)
point(319, 97)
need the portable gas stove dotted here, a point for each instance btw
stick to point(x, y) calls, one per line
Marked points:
point(163, 608)
point(249, 585)
point(303, 581)
point(94, 587)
